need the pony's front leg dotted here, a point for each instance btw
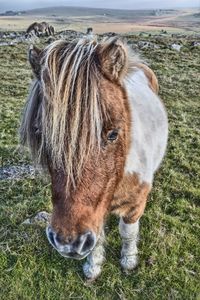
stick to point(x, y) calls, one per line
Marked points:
point(129, 253)
point(129, 225)
point(92, 267)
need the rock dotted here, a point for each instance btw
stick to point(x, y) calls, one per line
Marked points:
point(109, 34)
point(12, 43)
point(135, 46)
point(32, 39)
point(4, 43)
point(195, 44)
point(12, 35)
point(16, 172)
point(149, 45)
point(176, 47)
point(40, 217)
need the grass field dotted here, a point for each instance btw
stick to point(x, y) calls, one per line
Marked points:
point(170, 228)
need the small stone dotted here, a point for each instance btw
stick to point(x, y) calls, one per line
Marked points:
point(176, 47)
point(40, 217)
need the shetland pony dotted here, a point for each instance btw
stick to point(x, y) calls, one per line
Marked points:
point(95, 122)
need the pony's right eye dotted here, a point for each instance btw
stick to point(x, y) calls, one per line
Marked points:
point(112, 135)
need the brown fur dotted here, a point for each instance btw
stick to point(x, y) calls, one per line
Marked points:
point(113, 56)
point(130, 198)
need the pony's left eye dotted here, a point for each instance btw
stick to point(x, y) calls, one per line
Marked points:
point(112, 135)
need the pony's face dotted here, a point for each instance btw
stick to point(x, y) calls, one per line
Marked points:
point(82, 201)
point(79, 213)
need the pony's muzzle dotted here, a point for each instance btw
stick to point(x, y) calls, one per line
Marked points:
point(78, 248)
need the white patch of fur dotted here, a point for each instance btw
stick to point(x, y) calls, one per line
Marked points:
point(129, 234)
point(92, 267)
point(149, 127)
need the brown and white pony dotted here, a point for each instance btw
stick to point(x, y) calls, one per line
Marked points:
point(95, 122)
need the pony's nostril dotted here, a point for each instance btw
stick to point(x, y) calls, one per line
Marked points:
point(56, 239)
point(89, 243)
point(85, 243)
point(50, 235)
point(60, 239)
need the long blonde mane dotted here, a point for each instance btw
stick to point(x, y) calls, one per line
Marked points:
point(64, 116)
point(65, 112)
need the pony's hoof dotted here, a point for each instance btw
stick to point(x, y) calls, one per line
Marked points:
point(129, 263)
point(91, 271)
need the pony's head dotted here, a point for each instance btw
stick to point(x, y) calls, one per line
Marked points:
point(76, 124)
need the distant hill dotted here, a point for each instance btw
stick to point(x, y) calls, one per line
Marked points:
point(68, 11)
point(11, 13)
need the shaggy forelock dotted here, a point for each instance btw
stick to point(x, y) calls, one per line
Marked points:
point(71, 111)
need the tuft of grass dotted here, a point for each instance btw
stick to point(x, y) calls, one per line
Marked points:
point(170, 228)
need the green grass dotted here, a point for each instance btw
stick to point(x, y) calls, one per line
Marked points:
point(170, 228)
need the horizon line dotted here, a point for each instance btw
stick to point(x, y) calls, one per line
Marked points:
point(105, 8)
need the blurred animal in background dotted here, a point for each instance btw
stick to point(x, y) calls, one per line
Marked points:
point(51, 30)
point(90, 34)
point(38, 29)
point(89, 31)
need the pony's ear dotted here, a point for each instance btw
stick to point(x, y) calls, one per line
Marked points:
point(34, 56)
point(113, 59)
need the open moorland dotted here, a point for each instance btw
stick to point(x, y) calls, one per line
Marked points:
point(169, 249)
point(103, 20)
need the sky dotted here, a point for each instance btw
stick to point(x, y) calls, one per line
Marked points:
point(121, 4)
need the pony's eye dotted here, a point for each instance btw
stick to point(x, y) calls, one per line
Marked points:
point(112, 135)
